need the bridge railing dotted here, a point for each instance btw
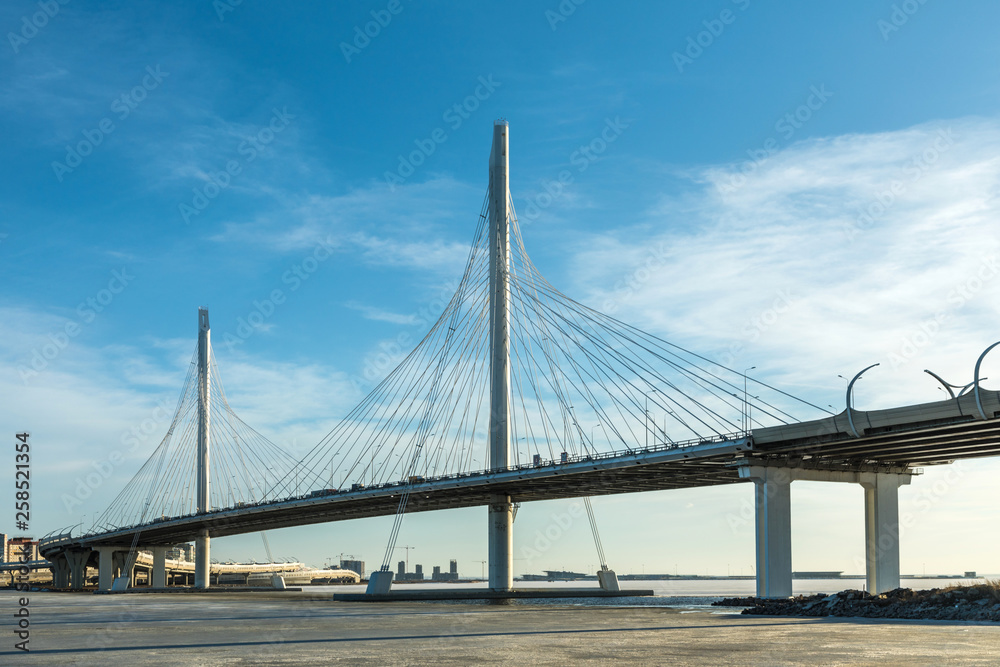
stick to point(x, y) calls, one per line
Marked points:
point(360, 488)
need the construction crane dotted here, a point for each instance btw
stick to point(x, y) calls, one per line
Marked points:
point(407, 555)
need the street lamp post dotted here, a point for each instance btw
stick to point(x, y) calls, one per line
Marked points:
point(646, 420)
point(746, 421)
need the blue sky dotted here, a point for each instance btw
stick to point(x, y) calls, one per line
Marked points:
point(810, 190)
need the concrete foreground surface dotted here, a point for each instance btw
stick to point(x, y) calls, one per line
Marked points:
point(306, 629)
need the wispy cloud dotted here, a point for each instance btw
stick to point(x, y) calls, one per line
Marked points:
point(408, 228)
point(380, 315)
point(869, 238)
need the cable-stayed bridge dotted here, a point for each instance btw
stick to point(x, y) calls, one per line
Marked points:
point(519, 393)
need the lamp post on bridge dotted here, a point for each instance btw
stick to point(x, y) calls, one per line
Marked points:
point(746, 403)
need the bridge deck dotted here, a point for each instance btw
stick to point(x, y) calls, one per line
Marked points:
point(898, 438)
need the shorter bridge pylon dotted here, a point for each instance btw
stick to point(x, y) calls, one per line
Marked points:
point(202, 546)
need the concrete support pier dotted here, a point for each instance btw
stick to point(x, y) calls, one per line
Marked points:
point(882, 530)
point(105, 568)
point(773, 514)
point(60, 571)
point(158, 577)
point(202, 559)
point(501, 544)
point(772, 486)
point(77, 561)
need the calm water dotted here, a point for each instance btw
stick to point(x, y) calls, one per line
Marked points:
point(666, 593)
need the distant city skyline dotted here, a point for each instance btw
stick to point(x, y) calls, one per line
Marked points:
point(805, 190)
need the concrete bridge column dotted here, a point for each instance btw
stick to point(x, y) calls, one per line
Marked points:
point(882, 529)
point(202, 559)
point(774, 532)
point(105, 568)
point(501, 544)
point(77, 561)
point(158, 577)
point(60, 571)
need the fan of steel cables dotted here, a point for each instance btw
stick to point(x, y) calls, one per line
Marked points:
point(581, 383)
point(243, 463)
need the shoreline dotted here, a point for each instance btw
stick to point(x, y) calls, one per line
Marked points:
point(956, 603)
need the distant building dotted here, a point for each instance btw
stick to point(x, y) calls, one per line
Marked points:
point(183, 552)
point(14, 547)
point(438, 575)
point(354, 566)
point(403, 575)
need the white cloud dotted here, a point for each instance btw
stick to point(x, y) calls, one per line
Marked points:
point(401, 228)
point(380, 315)
point(784, 272)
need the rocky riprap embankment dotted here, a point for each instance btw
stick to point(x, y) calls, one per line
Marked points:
point(967, 603)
